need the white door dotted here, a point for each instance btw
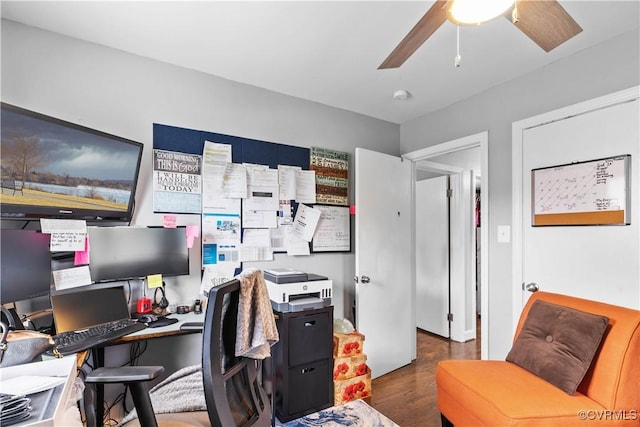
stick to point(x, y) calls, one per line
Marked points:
point(432, 255)
point(593, 262)
point(462, 261)
point(383, 253)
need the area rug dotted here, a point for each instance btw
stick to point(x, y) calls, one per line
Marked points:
point(356, 413)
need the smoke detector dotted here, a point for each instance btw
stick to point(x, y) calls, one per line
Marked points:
point(400, 95)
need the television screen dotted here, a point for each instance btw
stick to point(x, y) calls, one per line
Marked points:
point(120, 253)
point(25, 265)
point(56, 169)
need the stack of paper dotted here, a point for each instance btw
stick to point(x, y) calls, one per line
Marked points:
point(13, 409)
point(29, 384)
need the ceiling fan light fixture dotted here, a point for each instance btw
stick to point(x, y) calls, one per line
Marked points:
point(475, 12)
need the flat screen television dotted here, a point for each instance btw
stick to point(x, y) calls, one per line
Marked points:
point(25, 265)
point(121, 253)
point(56, 169)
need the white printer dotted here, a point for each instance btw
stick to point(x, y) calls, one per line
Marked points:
point(292, 290)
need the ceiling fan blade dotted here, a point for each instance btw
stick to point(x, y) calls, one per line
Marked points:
point(546, 22)
point(426, 26)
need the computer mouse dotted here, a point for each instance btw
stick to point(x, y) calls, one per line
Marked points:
point(162, 321)
point(147, 318)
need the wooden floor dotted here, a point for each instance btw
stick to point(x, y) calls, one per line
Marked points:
point(408, 395)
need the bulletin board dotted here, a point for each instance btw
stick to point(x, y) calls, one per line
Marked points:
point(219, 229)
point(594, 192)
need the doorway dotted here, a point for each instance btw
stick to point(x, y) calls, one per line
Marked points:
point(462, 302)
point(433, 251)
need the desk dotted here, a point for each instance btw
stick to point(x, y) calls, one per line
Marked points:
point(144, 334)
point(162, 331)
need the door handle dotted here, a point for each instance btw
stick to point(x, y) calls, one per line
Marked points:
point(531, 287)
point(365, 279)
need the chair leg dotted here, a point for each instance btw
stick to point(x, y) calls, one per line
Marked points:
point(445, 421)
point(142, 402)
point(88, 406)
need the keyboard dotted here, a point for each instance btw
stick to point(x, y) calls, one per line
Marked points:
point(75, 341)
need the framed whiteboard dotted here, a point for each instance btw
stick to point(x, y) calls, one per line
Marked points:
point(333, 233)
point(594, 192)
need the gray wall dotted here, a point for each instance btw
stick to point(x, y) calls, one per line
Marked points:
point(124, 94)
point(603, 69)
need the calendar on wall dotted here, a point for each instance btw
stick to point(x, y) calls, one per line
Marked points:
point(594, 192)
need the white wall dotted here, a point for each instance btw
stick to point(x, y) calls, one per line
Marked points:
point(600, 70)
point(124, 94)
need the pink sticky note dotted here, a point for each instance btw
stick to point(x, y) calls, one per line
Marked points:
point(192, 232)
point(82, 257)
point(169, 221)
point(352, 209)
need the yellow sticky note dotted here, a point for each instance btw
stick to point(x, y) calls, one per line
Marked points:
point(154, 281)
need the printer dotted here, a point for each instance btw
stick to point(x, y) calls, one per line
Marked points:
point(292, 290)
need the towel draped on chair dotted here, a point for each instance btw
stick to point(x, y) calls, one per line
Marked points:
point(256, 328)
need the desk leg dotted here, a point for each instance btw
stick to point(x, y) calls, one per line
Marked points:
point(98, 360)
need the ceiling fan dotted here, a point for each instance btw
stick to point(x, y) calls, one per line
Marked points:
point(545, 22)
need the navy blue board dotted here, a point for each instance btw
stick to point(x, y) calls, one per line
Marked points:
point(171, 138)
point(244, 150)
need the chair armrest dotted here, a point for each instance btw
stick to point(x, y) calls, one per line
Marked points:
point(124, 374)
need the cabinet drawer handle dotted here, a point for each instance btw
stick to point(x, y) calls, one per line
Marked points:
point(307, 370)
point(308, 324)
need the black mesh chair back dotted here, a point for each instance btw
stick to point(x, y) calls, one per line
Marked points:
point(233, 392)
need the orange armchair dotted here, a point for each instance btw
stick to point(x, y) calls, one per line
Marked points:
point(501, 393)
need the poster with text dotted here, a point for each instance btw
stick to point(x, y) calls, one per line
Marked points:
point(177, 182)
point(332, 176)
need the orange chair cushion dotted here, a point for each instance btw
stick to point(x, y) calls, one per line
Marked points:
point(500, 393)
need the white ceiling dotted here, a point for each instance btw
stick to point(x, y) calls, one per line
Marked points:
point(324, 51)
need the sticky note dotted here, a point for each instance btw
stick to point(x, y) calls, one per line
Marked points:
point(82, 257)
point(192, 232)
point(154, 281)
point(169, 221)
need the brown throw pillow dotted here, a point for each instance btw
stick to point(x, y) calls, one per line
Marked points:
point(557, 343)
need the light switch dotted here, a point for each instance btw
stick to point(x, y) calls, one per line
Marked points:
point(504, 234)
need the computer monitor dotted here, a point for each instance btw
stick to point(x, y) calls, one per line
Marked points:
point(25, 264)
point(58, 169)
point(121, 253)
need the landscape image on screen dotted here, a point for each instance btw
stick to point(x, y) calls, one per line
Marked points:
point(50, 163)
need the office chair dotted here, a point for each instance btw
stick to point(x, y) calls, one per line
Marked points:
point(233, 393)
